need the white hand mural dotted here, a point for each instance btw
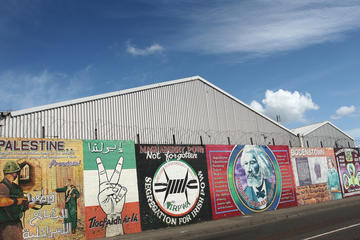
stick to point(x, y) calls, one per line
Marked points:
point(111, 196)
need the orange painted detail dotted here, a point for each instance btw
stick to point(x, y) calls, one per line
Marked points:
point(96, 220)
point(129, 210)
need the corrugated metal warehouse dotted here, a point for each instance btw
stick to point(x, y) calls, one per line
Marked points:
point(184, 111)
point(323, 134)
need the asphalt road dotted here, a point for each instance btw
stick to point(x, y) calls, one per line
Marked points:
point(331, 220)
point(316, 225)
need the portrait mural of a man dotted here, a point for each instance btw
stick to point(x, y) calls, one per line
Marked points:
point(254, 178)
point(259, 175)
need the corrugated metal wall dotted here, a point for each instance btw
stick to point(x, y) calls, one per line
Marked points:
point(327, 136)
point(191, 111)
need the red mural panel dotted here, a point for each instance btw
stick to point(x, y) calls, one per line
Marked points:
point(217, 161)
point(288, 193)
point(222, 197)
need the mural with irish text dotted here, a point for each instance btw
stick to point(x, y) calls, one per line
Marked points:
point(111, 192)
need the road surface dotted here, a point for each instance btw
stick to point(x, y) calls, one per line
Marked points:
point(330, 220)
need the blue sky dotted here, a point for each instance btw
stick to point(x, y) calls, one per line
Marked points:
point(298, 59)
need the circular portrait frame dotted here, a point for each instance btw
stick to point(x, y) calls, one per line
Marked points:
point(237, 180)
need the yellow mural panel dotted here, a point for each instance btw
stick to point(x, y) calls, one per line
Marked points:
point(41, 189)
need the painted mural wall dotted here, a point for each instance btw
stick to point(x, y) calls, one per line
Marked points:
point(316, 175)
point(41, 189)
point(111, 192)
point(173, 185)
point(349, 170)
point(247, 179)
point(88, 189)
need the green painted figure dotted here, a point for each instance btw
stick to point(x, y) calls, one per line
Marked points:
point(333, 183)
point(71, 197)
point(13, 204)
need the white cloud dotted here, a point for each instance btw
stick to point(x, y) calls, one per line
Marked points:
point(291, 106)
point(24, 90)
point(343, 111)
point(263, 27)
point(257, 107)
point(154, 48)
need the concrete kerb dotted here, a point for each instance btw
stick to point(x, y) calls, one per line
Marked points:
point(202, 229)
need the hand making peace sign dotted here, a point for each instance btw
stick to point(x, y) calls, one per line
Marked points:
point(111, 194)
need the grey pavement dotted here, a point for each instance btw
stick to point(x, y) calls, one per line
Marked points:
point(203, 229)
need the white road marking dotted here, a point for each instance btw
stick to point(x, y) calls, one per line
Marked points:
point(336, 230)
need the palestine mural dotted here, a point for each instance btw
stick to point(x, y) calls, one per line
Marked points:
point(349, 169)
point(247, 179)
point(316, 175)
point(173, 185)
point(41, 189)
point(111, 192)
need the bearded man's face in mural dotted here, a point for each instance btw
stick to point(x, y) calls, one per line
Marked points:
point(251, 166)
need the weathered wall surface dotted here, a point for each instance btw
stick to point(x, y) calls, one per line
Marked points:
point(316, 175)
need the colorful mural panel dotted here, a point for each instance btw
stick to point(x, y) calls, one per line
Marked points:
point(247, 179)
point(316, 175)
point(41, 189)
point(173, 185)
point(217, 160)
point(111, 191)
point(349, 169)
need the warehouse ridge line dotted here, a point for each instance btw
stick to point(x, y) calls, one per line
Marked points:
point(136, 89)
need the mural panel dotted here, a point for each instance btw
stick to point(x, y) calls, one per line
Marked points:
point(41, 189)
point(173, 185)
point(349, 170)
point(316, 175)
point(111, 192)
point(247, 179)
point(217, 160)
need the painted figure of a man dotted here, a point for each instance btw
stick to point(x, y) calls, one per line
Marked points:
point(71, 197)
point(12, 203)
point(258, 173)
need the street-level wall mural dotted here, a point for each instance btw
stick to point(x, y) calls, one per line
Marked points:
point(349, 170)
point(88, 189)
point(316, 175)
point(41, 189)
point(248, 179)
point(111, 192)
point(173, 185)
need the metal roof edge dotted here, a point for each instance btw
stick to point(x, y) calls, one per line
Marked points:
point(137, 89)
point(99, 96)
point(328, 122)
point(340, 130)
point(309, 131)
